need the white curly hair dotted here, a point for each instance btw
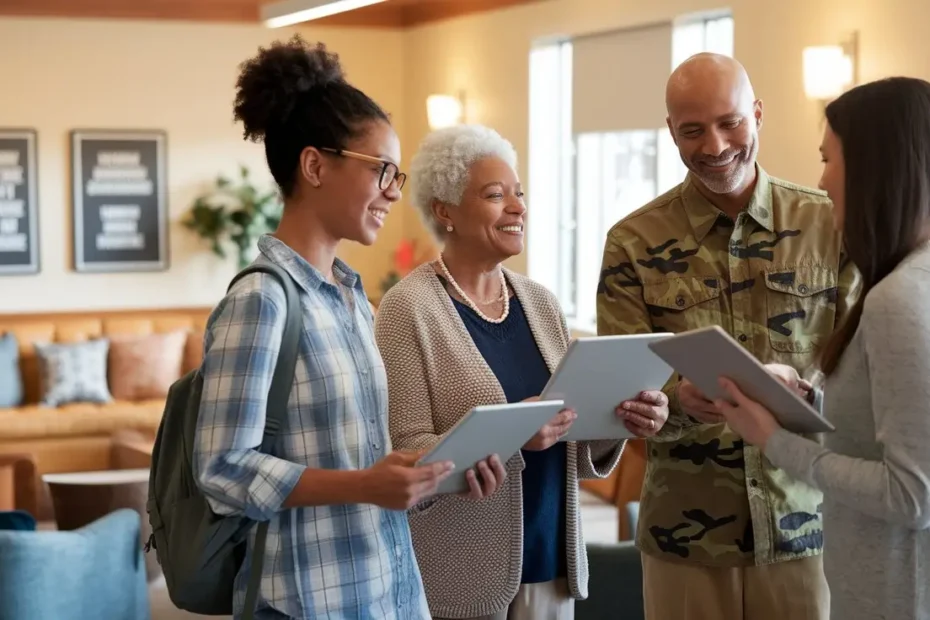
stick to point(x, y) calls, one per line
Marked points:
point(439, 170)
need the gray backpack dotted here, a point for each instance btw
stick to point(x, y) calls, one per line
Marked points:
point(199, 551)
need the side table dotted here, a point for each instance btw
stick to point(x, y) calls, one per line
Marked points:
point(80, 498)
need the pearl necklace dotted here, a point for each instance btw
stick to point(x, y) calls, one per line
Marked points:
point(471, 304)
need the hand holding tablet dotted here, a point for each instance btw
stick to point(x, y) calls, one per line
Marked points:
point(597, 374)
point(488, 430)
point(695, 403)
point(791, 378)
point(645, 415)
point(553, 431)
point(706, 355)
point(485, 478)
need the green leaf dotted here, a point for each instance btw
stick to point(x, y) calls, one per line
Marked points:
point(218, 250)
point(238, 213)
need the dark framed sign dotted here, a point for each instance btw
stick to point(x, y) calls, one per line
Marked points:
point(119, 199)
point(19, 202)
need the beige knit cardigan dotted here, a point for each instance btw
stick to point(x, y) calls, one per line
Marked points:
point(470, 552)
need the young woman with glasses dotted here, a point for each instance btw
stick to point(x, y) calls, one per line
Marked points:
point(338, 543)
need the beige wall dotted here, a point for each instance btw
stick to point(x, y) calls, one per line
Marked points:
point(64, 74)
point(487, 56)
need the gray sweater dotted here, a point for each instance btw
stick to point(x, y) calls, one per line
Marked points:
point(875, 469)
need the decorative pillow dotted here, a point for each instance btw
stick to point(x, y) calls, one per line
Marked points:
point(11, 383)
point(73, 372)
point(18, 520)
point(143, 367)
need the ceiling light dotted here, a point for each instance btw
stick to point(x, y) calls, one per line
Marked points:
point(290, 12)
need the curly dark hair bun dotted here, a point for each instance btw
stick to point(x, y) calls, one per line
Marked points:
point(270, 84)
point(292, 95)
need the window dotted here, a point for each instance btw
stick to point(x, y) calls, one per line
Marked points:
point(616, 174)
point(582, 183)
point(703, 34)
point(550, 170)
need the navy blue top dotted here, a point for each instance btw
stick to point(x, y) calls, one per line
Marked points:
point(510, 349)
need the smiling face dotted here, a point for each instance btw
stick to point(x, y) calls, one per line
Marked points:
point(489, 221)
point(714, 120)
point(833, 179)
point(355, 205)
point(719, 149)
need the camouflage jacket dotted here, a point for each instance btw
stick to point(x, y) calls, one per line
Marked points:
point(776, 279)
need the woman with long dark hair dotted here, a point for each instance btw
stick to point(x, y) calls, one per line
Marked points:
point(874, 471)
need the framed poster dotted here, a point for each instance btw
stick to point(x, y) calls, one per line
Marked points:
point(19, 202)
point(119, 199)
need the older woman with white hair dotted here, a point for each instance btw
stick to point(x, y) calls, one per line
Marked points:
point(465, 331)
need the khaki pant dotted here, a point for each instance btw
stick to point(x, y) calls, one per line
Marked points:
point(549, 600)
point(795, 590)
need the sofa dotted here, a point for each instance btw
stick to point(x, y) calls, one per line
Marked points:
point(58, 433)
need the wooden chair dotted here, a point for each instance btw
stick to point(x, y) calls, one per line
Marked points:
point(624, 485)
point(17, 483)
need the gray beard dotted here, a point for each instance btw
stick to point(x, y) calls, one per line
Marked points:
point(724, 185)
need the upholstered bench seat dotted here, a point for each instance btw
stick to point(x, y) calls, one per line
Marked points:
point(34, 421)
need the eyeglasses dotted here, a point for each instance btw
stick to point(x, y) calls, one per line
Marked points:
point(389, 170)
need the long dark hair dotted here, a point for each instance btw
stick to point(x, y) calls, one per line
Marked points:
point(884, 130)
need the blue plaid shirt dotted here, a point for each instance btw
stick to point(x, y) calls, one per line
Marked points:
point(348, 561)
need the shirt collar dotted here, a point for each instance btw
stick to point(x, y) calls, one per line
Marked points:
point(306, 275)
point(702, 215)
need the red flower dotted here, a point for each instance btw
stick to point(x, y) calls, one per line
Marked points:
point(405, 257)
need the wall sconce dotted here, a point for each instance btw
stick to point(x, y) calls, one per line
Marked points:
point(445, 110)
point(830, 69)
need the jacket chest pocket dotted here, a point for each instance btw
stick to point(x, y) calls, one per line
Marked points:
point(800, 306)
point(679, 304)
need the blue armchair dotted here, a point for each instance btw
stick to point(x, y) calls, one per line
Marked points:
point(87, 574)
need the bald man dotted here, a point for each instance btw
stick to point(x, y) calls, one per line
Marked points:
point(724, 534)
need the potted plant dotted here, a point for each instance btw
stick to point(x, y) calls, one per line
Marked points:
point(234, 213)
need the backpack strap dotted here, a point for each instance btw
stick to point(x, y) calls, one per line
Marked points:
point(283, 378)
point(276, 407)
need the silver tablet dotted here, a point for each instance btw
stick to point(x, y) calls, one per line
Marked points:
point(704, 355)
point(598, 373)
point(486, 430)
